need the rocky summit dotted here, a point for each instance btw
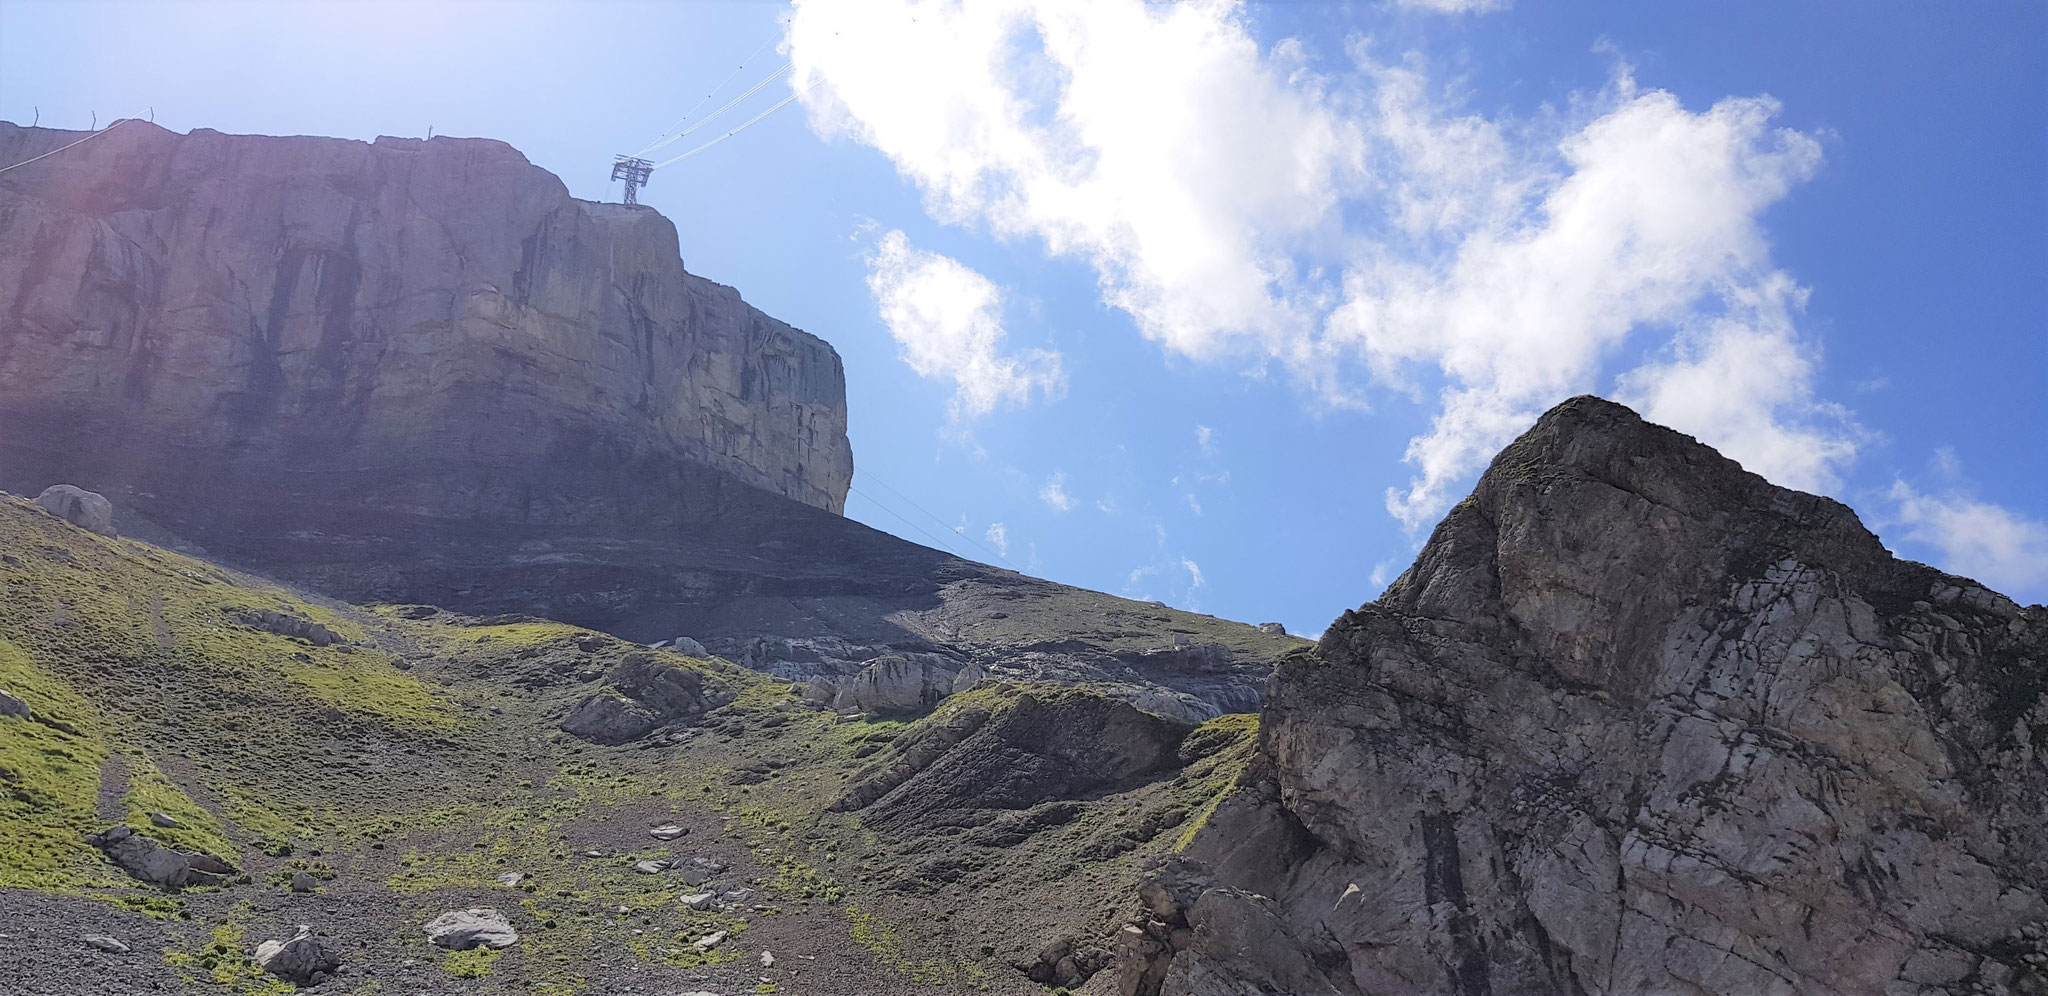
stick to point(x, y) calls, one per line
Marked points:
point(432, 588)
point(1636, 721)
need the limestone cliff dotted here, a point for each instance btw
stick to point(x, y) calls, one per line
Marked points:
point(419, 372)
point(405, 326)
point(1636, 721)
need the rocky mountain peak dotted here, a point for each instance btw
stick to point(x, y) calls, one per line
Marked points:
point(1635, 721)
point(1593, 530)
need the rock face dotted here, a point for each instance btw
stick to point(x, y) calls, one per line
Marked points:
point(322, 317)
point(1635, 721)
point(1007, 748)
point(414, 372)
point(87, 510)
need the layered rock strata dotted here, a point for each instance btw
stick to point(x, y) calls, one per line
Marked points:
point(1635, 721)
point(425, 327)
point(419, 372)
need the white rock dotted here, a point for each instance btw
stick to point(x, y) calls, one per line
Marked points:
point(650, 867)
point(709, 941)
point(700, 900)
point(667, 831)
point(105, 943)
point(85, 509)
point(460, 930)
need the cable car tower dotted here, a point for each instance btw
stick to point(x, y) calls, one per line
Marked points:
point(635, 171)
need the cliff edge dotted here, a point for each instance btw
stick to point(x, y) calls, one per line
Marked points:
point(416, 327)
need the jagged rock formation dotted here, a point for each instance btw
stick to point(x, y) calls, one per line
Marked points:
point(419, 372)
point(1635, 721)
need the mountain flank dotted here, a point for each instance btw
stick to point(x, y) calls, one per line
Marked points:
point(418, 372)
point(1635, 721)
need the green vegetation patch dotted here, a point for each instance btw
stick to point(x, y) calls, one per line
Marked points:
point(49, 780)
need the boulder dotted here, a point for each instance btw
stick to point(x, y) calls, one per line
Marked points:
point(461, 930)
point(969, 676)
point(689, 647)
point(699, 900)
point(88, 510)
point(165, 820)
point(651, 867)
point(302, 960)
point(1273, 629)
point(667, 831)
point(145, 860)
point(891, 684)
point(111, 945)
point(609, 718)
point(303, 882)
point(647, 693)
point(11, 706)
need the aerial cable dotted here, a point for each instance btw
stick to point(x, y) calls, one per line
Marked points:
point(714, 115)
point(929, 514)
point(707, 96)
point(743, 127)
point(116, 123)
point(937, 543)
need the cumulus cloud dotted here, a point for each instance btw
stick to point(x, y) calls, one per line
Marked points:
point(948, 320)
point(1055, 493)
point(1975, 538)
point(1357, 229)
point(1000, 537)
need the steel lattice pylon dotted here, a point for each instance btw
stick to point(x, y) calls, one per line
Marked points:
point(635, 171)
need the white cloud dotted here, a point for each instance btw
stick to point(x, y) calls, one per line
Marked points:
point(1194, 504)
point(1236, 203)
point(948, 320)
point(1455, 6)
point(1000, 537)
point(1205, 438)
point(1055, 492)
point(1194, 573)
point(1977, 539)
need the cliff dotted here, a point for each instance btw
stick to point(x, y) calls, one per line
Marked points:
point(1635, 721)
point(414, 327)
point(419, 372)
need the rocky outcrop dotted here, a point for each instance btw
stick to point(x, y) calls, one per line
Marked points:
point(152, 863)
point(88, 510)
point(1635, 721)
point(1006, 748)
point(649, 694)
point(323, 320)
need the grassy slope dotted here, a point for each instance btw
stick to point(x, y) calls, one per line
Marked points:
point(419, 761)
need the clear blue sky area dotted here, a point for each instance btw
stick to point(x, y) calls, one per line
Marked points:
point(1236, 481)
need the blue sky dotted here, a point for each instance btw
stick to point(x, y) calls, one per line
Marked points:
point(1223, 304)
